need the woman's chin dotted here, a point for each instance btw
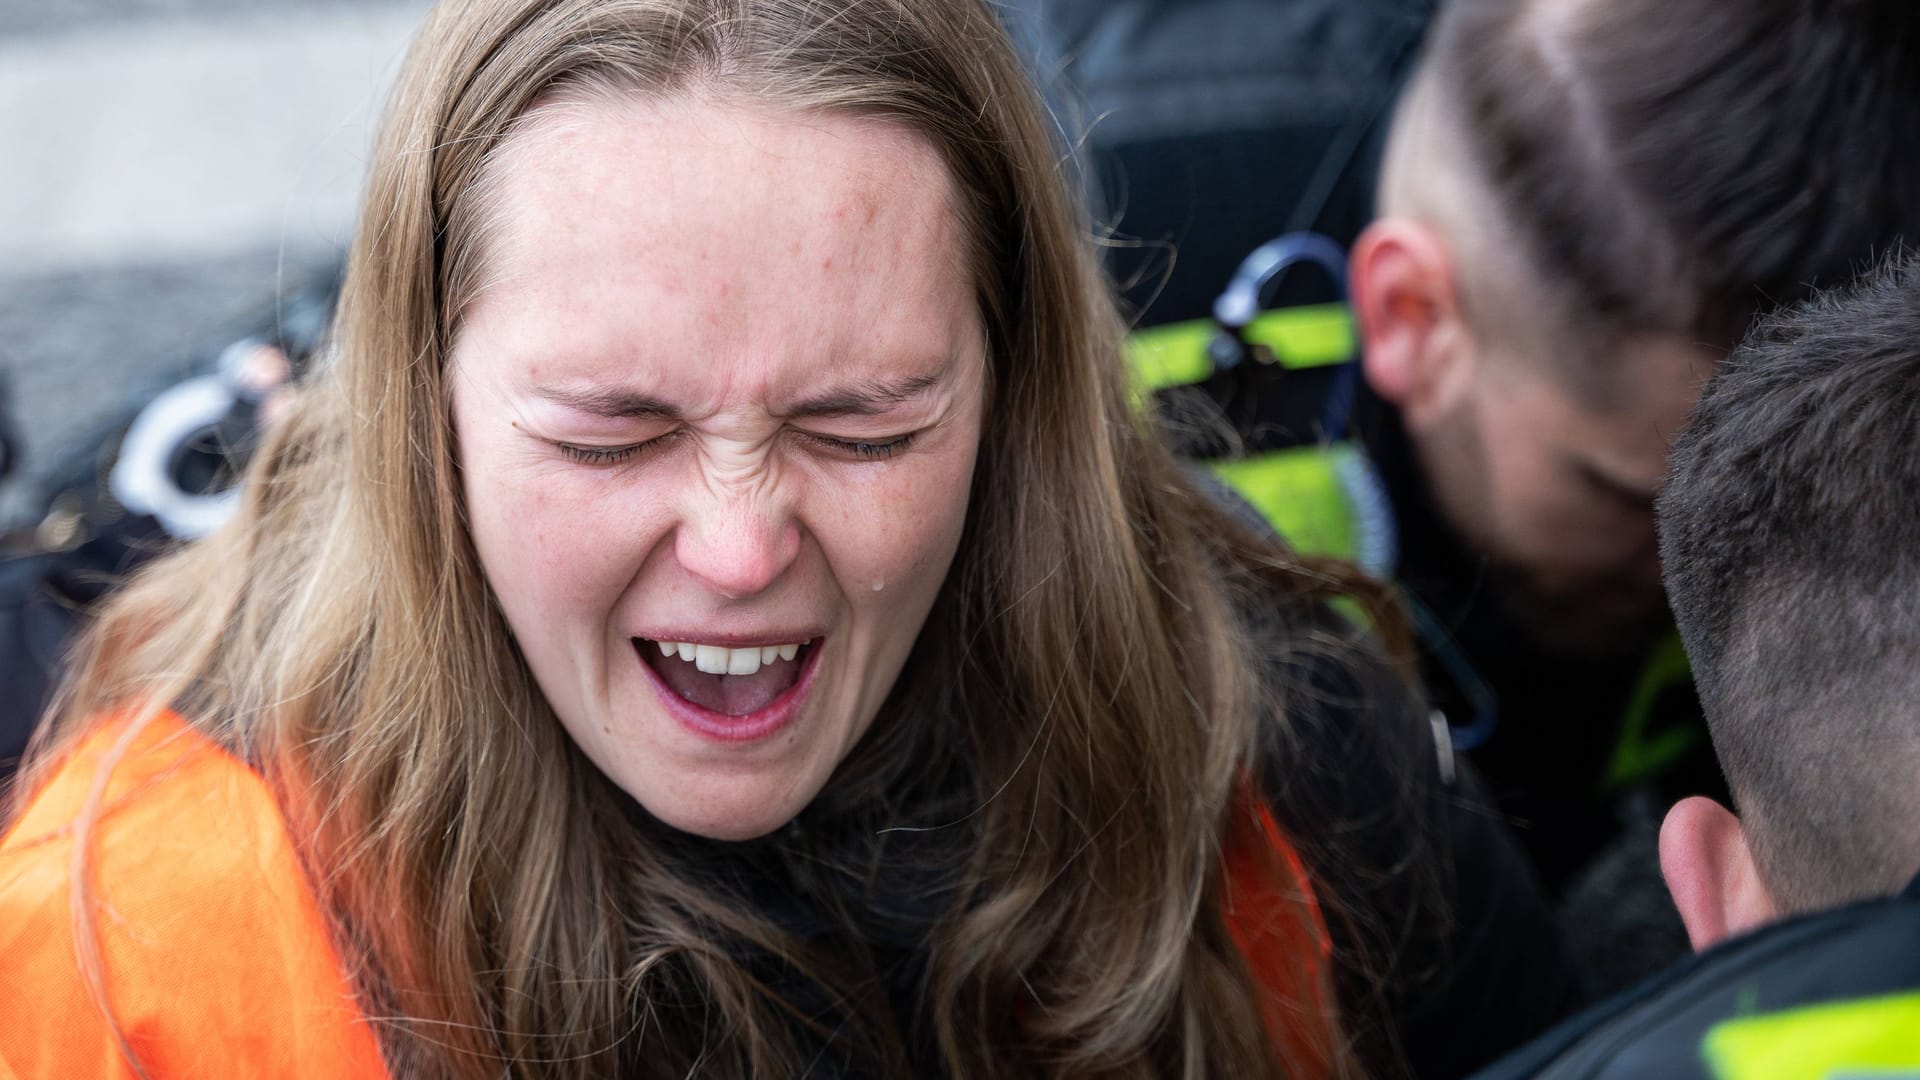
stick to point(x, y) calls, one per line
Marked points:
point(732, 815)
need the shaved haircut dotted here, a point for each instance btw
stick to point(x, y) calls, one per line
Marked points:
point(1638, 167)
point(1790, 540)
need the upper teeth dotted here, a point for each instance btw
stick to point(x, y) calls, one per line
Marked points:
point(715, 660)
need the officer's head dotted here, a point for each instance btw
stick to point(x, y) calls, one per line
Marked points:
point(1583, 205)
point(1788, 529)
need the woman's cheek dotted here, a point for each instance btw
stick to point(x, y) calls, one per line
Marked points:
point(561, 544)
point(908, 519)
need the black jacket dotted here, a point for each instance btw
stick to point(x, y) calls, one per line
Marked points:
point(1204, 127)
point(1449, 954)
point(1783, 980)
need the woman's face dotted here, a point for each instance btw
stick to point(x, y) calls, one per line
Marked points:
point(718, 404)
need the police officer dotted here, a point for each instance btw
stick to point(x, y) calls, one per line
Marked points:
point(1788, 543)
point(1583, 204)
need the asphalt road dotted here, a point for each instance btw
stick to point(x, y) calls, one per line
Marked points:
point(173, 166)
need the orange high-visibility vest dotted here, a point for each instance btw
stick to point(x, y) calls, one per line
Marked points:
point(217, 962)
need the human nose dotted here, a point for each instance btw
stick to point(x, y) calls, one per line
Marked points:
point(736, 543)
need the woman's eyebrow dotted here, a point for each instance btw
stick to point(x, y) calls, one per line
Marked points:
point(869, 397)
point(614, 404)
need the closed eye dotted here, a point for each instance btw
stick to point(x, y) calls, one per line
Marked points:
point(861, 449)
point(613, 455)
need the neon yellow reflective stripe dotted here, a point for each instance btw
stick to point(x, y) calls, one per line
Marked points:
point(1849, 1040)
point(1171, 355)
point(1298, 491)
point(1300, 337)
point(1305, 337)
point(1640, 754)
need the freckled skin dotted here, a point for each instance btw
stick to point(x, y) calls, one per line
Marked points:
point(675, 249)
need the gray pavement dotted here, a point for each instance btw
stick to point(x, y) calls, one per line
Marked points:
point(172, 165)
point(85, 347)
point(20, 18)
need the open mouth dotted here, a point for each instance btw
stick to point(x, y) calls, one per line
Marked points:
point(732, 682)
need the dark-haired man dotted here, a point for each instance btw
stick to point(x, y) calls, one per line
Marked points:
point(1583, 204)
point(1793, 560)
point(1790, 556)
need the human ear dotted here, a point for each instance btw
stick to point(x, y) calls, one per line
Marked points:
point(1401, 281)
point(1710, 872)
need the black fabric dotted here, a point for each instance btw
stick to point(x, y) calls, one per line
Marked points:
point(43, 605)
point(1448, 951)
point(1208, 126)
point(1656, 1029)
point(863, 904)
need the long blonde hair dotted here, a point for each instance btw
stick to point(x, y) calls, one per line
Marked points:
point(503, 908)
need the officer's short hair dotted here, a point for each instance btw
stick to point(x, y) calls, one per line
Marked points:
point(1678, 166)
point(1790, 541)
